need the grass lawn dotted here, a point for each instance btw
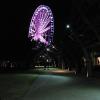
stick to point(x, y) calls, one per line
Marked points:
point(14, 86)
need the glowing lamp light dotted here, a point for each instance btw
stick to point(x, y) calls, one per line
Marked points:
point(53, 47)
point(98, 58)
point(47, 60)
point(67, 26)
point(48, 49)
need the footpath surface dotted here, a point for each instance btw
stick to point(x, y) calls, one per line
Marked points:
point(59, 87)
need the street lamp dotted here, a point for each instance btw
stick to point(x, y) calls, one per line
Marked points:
point(67, 26)
point(48, 49)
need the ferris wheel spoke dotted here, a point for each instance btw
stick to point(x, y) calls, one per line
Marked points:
point(46, 23)
point(45, 30)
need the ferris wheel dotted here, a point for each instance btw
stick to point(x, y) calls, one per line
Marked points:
point(41, 27)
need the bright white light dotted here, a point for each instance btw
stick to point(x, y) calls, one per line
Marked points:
point(98, 60)
point(48, 49)
point(53, 47)
point(47, 60)
point(67, 26)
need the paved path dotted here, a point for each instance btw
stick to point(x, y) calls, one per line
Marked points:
point(55, 87)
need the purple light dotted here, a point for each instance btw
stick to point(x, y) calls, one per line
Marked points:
point(42, 25)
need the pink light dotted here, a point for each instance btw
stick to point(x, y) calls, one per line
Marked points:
point(42, 25)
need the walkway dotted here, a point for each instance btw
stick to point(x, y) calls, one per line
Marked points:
point(57, 87)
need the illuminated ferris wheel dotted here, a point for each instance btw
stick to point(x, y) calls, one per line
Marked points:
point(41, 27)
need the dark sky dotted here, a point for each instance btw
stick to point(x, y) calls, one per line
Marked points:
point(15, 20)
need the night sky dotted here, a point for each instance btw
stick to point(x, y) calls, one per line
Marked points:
point(15, 20)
